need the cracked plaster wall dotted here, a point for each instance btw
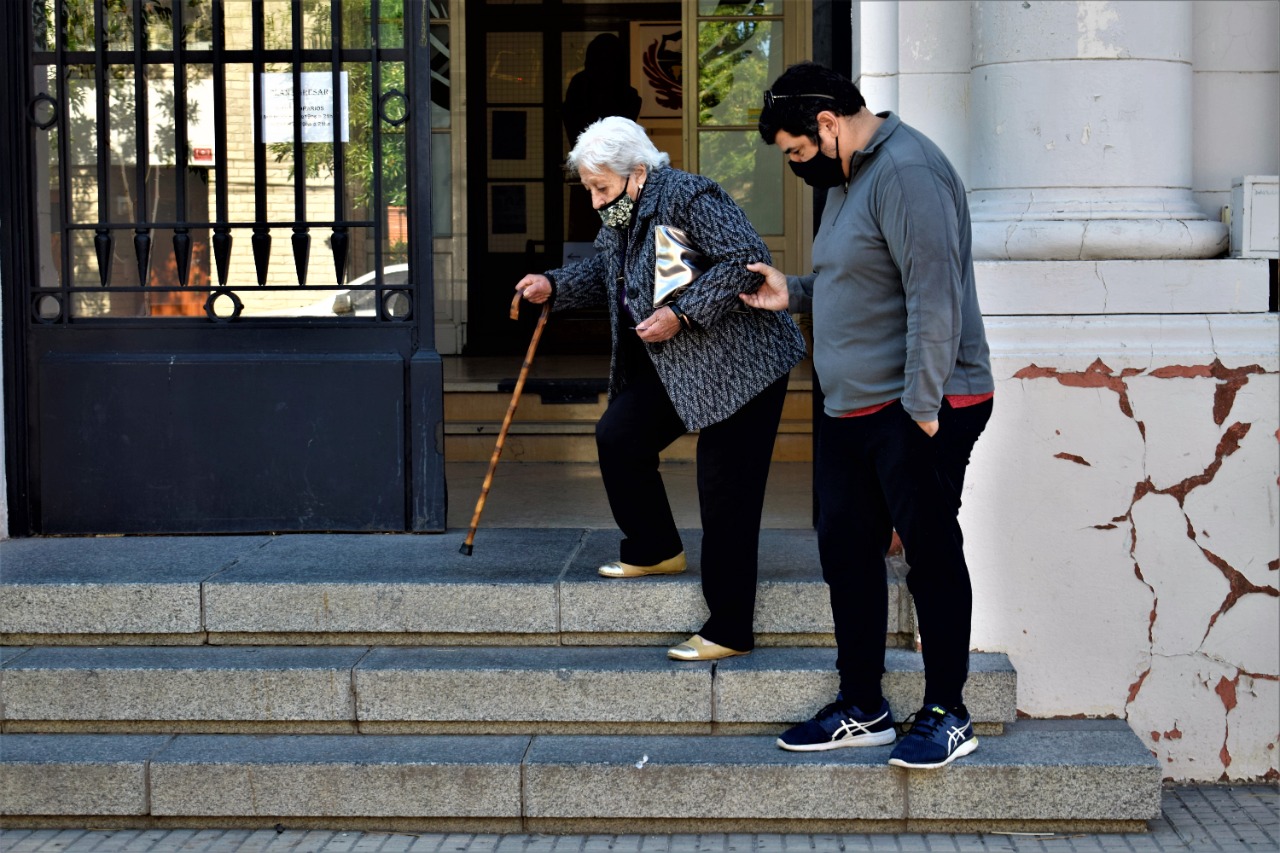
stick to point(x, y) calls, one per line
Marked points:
point(1121, 521)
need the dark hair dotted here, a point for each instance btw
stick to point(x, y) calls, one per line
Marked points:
point(798, 115)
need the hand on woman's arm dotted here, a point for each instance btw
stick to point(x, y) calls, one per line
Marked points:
point(772, 295)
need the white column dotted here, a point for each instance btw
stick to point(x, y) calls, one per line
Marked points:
point(1081, 132)
point(877, 79)
point(915, 62)
point(1237, 96)
point(933, 87)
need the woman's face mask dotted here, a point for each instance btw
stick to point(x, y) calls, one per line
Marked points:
point(820, 171)
point(617, 213)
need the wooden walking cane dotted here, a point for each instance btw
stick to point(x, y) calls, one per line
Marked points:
point(506, 421)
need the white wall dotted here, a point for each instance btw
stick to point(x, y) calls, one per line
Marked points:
point(1235, 91)
point(1122, 513)
point(1121, 526)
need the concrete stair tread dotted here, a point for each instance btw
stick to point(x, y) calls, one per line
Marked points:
point(475, 687)
point(1041, 775)
point(568, 427)
point(536, 584)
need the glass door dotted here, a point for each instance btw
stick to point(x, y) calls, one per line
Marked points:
point(740, 48)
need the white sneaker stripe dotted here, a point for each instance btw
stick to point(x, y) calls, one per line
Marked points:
point(851, 727)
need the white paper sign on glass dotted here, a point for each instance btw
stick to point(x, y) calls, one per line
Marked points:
point(317, 107)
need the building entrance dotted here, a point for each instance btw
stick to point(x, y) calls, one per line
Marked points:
point(691, 73)
point(539, 73)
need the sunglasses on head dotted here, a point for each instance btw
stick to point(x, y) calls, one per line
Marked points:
point(770, 97)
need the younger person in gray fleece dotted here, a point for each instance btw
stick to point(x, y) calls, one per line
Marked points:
point(902, 359)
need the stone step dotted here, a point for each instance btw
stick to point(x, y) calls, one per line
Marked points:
point(555, 441)
point(555, 422)
point(521, 586)
point(571, 400)
point(448, 689)
point(1060, 776)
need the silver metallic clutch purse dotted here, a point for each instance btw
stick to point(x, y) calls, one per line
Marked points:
point(677, 263)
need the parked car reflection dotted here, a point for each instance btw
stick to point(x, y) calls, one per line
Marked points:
point(359, 299)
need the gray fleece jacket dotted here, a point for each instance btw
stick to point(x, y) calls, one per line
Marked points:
point(895, 310)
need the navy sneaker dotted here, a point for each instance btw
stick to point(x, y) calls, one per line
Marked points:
point(839, 725)
point(937, 737)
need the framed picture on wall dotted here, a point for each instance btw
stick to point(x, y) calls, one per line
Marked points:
point(515, 142)
point(514, 216)
point(657, 67)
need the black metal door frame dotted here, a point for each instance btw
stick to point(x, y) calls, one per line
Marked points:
point(244, 371)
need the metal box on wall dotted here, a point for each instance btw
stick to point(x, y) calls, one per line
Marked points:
point(1255, 217)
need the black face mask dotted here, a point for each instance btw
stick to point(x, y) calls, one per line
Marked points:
point(820, 171)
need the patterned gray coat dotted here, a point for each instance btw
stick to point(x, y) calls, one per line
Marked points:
point(733, 352)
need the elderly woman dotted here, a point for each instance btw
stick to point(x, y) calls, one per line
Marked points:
point(701, 362)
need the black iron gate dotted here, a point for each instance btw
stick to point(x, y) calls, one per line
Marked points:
point(218, 311)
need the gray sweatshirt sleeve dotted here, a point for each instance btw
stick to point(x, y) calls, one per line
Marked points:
point(920, 227)
point(800, 292)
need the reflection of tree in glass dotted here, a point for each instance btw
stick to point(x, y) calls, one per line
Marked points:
point(358, 159)
point(79, 92)
point(723, 58)
point(733, 69)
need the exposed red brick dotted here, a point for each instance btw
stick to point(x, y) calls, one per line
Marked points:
point(1232, 380)
point(1071, 457)
point(1137, 686)
point(1155, 735)
point(1104, 527)
point(1096, 375)
point(1032, 371)
point(1174, 733)
point(1099, 375)
point(1239, 586)
point(1183, 371)
point(1225, 756)
point(1227, 691)
point(1227, 445)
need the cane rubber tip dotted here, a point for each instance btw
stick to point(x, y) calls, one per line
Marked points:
point(465, 550)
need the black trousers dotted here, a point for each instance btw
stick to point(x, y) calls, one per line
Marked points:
point(733, 467)
point(875, 474)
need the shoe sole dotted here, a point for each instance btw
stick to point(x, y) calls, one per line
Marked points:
point(961, 750)
point(696, 659)
point(876, 739)
point(639, 574)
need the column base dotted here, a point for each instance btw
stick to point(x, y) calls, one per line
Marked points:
point(1092, 223)
point(1098, 239)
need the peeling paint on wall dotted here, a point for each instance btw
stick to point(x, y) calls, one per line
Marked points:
point(1093, 18)
point(1212, 624)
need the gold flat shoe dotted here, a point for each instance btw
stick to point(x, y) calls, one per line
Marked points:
point(618, 569)
point(696, 648)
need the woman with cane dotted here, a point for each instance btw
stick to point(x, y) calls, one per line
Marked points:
point(687, 355)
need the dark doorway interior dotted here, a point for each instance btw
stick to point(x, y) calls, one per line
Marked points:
point(526, 213)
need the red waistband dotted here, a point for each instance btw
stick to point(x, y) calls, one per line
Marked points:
point(957, 401)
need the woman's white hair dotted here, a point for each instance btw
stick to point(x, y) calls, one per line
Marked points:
point(617, 144)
